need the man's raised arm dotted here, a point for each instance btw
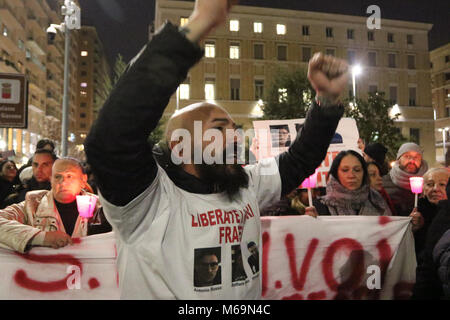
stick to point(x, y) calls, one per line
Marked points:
point(328, 76)
point(117, 147)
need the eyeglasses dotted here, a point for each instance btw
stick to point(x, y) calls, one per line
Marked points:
point(415, 158)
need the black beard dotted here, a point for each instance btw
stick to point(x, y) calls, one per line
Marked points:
point(227, 178)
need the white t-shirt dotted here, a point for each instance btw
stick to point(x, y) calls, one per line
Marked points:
point(161, 232)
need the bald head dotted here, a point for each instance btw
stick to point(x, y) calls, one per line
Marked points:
point(67, 180)
point(185, 118)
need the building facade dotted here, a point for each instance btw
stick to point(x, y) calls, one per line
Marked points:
point(25, 48)
point(242, 56)
point(440, 81)
point(93, 70)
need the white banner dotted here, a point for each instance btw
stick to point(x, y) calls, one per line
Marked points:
point(337, 257)
point(275, 136)
point(341, 257)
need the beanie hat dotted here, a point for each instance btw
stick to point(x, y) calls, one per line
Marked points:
point(376, 151)
point(409, 146)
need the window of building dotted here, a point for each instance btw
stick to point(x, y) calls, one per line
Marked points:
point(234, 50)
point(210, 49)
point(414, 135)
point(409, 39)
point(20, 44)
point(83, 73)
point(305, 30)
point(351, 56)
point(412, 96)
point(83, 105)
point(83, 93)
point(390, 37)
point(259, 89)
point(330, 52)
point(350, 34)
point(411, 61)
point(235, 85)
point(5, 31)
point(83, 85)
point(372, 59)
point(281, 29)
point(392, 60)
point(184, 91)
point(392, 95)
point(210, 88)
point(257, 27)
point(370, 36)
point(447, 76)
point(82, 115)
point(306, 54)
point(258, 51)
point(84, 53)
point(447, 59)
point(83, 125)
point(282, 52)
point(183, 21)
point(329, 32)
point(282, 95)
point(234, 25)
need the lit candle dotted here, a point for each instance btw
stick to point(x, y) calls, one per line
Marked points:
point(86, 205)
point(416, 184)
point(309, 183)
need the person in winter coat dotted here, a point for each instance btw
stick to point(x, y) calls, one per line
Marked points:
point(50, 218)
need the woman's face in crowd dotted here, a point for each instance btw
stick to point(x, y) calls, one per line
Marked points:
point(376, 182)
point(350, 172)
point(9, 171)
point(434, 185)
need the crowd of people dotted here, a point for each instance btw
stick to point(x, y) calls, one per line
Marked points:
point(151, 202)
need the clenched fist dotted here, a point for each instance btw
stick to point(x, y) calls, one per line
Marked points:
point(56, 239)
point(328, 76)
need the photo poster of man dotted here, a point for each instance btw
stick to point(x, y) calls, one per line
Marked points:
point(207, 269)
point(275, 136)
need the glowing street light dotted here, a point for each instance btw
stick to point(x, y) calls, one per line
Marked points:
point(356, 71)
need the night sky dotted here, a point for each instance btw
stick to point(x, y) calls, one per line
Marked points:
point(123, 24)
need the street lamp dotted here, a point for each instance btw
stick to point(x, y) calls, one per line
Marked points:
point(72, 20)
point(443, 130)
point(356, 70)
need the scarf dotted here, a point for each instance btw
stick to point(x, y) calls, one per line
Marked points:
point(362, 201)
point(401, 178)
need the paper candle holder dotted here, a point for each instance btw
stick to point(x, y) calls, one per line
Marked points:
point(416, 184)
point(86, 205)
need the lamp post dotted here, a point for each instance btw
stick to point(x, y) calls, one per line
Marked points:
point(443, 141)
point(356, 70)
point(72, 20)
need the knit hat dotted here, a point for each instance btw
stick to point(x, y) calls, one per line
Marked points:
point(409, 146)
point(376, 151)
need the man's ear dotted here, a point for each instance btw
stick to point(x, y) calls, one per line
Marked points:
point(84, 178)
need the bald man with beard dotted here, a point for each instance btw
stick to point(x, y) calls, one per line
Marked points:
point(166, 206)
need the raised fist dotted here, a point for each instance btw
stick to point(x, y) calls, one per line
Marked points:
point(328, 75)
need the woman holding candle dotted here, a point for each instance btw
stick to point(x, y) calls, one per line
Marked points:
point(348, 189)
point(434, 183)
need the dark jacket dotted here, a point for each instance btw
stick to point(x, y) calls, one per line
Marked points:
point(429, 211)
point(29, 185)
point(441, 258)
point(428, 284)
point(6, 188)
point(117, 146)
point(402, 199)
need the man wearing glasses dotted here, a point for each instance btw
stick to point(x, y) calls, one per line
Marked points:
point(206, 270)
point(396, 183)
